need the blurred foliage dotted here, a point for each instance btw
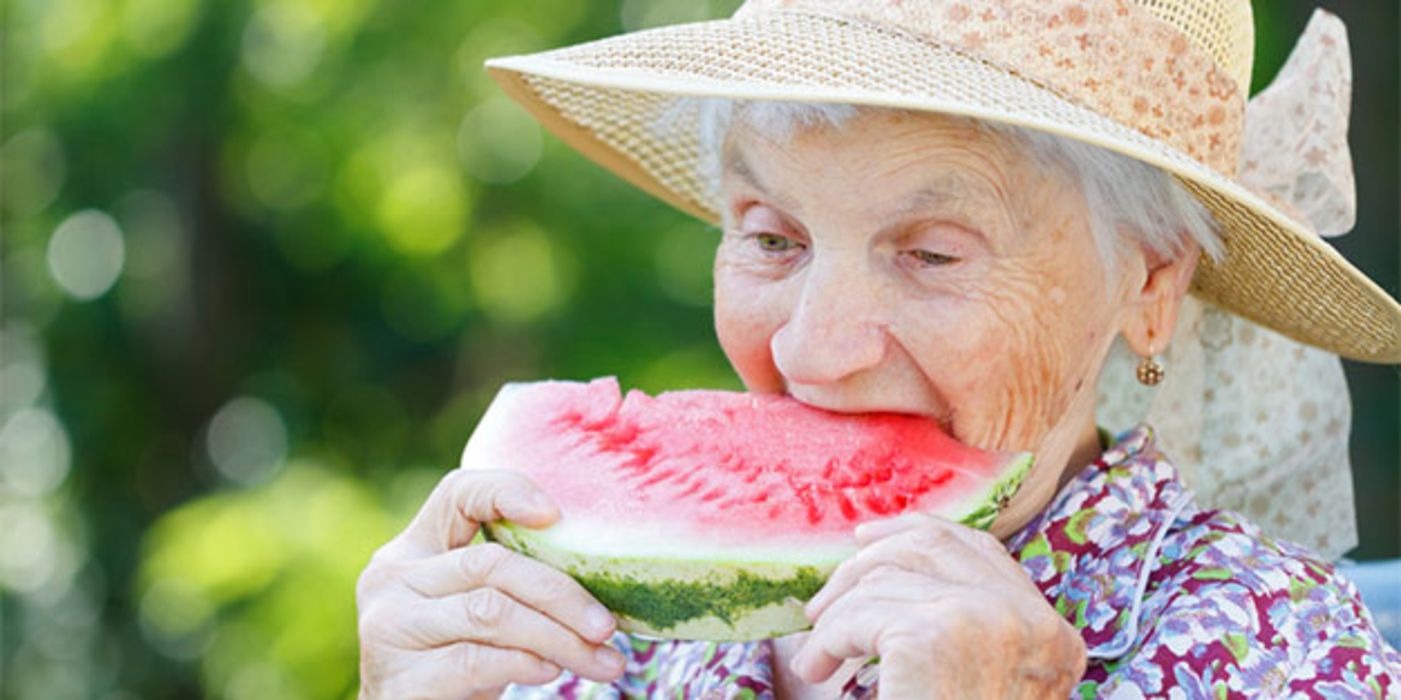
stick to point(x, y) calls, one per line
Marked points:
point(265, 262)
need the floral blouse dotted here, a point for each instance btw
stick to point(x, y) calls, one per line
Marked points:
point(1172, 601)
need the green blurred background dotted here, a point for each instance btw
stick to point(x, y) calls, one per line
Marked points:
point(265, 261)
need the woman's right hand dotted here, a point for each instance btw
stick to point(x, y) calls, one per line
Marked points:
point(442, 618)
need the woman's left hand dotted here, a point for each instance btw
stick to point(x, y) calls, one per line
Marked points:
point(949, 613)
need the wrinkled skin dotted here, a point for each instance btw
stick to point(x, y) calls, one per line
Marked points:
point(900, 263)
point(920, 265)
point(442, 618)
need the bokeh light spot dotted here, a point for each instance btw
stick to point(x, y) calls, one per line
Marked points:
point(498, 142)
point(154, 28)
point(27, 536)
point(63, 627)
point(225, 547)
point(175, 617)
point(247, 441)
point(23, 383)
point(278, 565)
point(518, 275)
point(86, 254)
point(76, 34)
point(23, 369)
point(32, 162)
point(283, 43)
point(35, 454)
point(423, 210)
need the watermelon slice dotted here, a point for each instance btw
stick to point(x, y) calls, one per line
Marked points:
point(712, 514)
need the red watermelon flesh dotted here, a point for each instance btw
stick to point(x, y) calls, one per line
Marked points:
point(738, 467)
point(711, 487)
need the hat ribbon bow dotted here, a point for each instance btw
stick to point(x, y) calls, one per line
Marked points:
point(1294, 148)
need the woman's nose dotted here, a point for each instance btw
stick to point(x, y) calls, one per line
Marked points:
point(834, 331)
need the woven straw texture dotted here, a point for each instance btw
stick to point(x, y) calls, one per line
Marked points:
point(1160, 82)
point(1225, 30)
point(615, 100)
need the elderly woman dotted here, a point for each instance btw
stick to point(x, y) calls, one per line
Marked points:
point(953, 210)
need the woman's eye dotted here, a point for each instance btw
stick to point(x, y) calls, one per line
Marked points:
point(930, 258)
point(774, 243)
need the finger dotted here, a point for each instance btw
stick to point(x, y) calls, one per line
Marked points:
point(855, 624)
point(827, 646)
point(461, 670)
point(463, 499)
point(532, 583)
point(491, 617)
point(935, 549)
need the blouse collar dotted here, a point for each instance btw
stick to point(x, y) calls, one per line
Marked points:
point(1091, 551)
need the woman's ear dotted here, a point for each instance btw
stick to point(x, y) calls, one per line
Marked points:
point(1151, 313)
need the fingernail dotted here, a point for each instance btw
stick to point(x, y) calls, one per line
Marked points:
point(599, 620)
point(608, 657)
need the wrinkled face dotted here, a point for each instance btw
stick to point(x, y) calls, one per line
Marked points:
point(916, 264)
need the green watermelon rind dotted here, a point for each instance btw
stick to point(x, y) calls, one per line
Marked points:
point(999, 494)
point(685, 599)
point(716, 600)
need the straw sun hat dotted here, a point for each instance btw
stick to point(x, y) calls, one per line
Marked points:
point(1162, 81)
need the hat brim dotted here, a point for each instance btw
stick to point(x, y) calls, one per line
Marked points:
point(615, 101)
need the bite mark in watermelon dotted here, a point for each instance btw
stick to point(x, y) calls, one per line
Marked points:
point(713, 514)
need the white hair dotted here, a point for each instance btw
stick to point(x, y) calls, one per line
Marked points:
point(1128, 201)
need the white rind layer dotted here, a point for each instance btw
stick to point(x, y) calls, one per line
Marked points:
point(602, 538)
